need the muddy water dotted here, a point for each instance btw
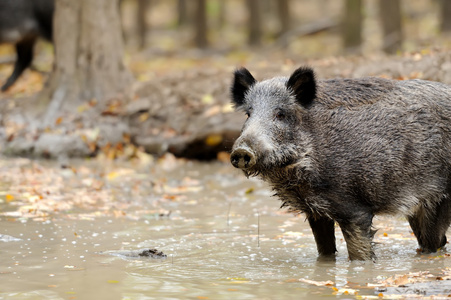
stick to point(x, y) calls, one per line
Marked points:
point(224, 238)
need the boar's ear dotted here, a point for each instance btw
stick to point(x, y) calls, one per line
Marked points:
point(242, 82)
point(303, 85)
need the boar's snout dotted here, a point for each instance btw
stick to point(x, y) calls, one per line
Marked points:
point(242, 158)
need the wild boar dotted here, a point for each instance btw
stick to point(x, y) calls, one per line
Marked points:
point(22, 22)
point(345, 150)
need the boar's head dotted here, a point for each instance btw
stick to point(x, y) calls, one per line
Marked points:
point(275, 134)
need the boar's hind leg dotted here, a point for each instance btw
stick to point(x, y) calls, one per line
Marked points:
point(358, 236)
point(430, 226)
point(324, 231)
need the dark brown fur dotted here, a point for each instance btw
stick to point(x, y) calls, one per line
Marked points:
point(349, 150)
point(22, 22)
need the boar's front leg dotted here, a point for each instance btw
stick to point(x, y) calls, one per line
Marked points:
point(324, 232)
point(429, 224)
point(356, 228)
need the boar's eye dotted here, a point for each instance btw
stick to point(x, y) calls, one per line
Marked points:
point(280, 115)
point(248, 112)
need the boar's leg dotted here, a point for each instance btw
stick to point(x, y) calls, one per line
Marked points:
point(24, 51)
point(358, 235)
point(324, 231)
point(430, 225)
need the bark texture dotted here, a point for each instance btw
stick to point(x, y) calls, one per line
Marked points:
point(390, 13)
point(201, 25)
point(445, 16)
point(255, 22)
point(352, 26)
point(88, 57)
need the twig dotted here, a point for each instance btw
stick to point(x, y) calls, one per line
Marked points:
point(258, 229)
point(228, 215)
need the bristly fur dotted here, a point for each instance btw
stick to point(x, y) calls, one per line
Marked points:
point(345, 150)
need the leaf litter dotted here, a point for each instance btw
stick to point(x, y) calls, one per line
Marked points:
point(389, 288)
point(33, 189)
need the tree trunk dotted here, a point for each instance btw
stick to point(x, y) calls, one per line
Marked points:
point(182, 12)
point(390, 13)
point(255, 26)
point(352, 26)
point(142, 7)
point(222, 13)
point(445, 11)
point(201, 25)
point(88, 57)
point(283, 9)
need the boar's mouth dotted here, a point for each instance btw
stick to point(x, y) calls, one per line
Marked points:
point(246, 159)
point(271, 168)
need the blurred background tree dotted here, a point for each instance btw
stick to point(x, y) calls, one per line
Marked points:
point(295, 29)
point(283, 9)
point(390, 13)
point(181, 54)
point(445, 16)
point(366, 26)
point(200, 37)
point(89, 61)
point(255, 22)
point(352, 26)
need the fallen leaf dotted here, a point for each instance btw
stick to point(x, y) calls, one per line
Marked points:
point(144, 117)
point(207, 99)
point(92, 102)
point(126, 138)
point(213, 140)
point(228, 108)
point(317, 283)
point(113, 281)
point(223, 156)
point(293, 233)
point(212, 111)
point(249, 191)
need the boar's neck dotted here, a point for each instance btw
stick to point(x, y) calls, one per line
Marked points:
point(294, 185)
